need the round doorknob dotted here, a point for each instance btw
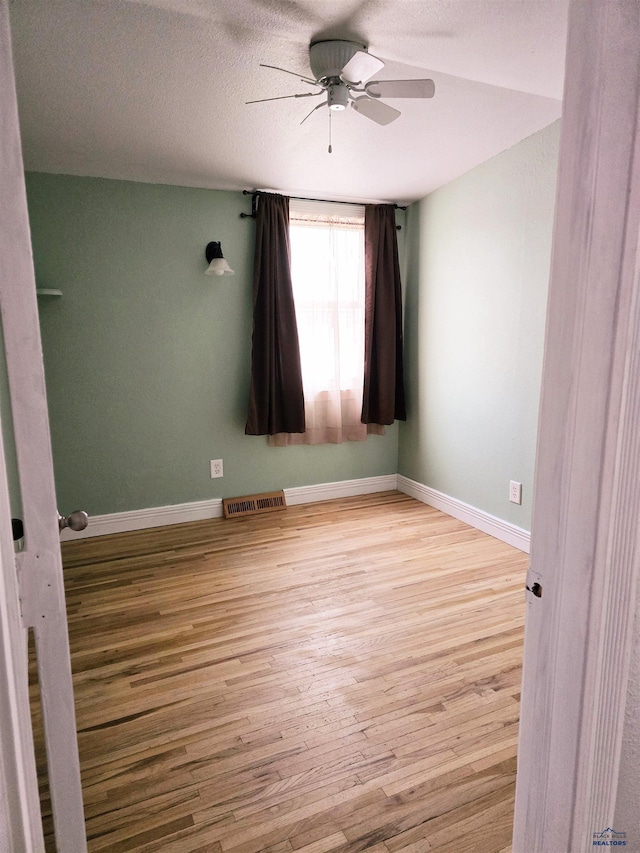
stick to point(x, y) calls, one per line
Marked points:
point(76, 520)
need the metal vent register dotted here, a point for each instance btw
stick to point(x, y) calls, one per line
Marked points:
point(253, 504)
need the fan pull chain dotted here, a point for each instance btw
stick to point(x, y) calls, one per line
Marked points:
point(330, 146)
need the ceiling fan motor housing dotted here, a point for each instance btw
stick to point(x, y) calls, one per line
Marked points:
point(328, 58)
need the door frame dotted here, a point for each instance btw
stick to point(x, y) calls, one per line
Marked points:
point(584, 543)
point(20, 821)
point(33, 577)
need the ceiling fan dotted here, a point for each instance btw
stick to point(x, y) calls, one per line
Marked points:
point(342, 72)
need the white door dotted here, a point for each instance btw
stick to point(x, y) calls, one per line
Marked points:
point(33, 595)
point(584, 551)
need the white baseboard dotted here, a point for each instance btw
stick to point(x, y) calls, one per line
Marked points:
point(342, 489)
point(503, 530)
point(140, 519)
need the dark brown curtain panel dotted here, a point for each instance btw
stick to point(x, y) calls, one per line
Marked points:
point(383, 397)
point(276, 401)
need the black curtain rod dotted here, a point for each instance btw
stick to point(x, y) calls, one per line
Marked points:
point(255, 193)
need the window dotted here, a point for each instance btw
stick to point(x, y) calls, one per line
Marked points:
point(327, 270)
point(276, 393)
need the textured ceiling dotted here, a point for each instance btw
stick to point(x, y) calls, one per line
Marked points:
point(155, 90)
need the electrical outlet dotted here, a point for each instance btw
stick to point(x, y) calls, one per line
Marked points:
point(216, 468)
point(515, 492)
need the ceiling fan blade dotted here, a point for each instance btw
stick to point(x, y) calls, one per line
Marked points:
point(294, 73)
point(375, 110)
point(360, 67)
point(400, 88)
point(284, 97)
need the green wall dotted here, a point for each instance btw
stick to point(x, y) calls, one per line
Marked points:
point(477, 267)
point(147, 359)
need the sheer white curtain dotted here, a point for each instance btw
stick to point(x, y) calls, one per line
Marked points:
point(327, 270)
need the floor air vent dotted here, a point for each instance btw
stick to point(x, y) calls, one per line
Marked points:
point(253, 504)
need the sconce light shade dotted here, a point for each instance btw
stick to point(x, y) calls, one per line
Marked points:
point(217, 263)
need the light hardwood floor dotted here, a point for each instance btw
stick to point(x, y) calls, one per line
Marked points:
point(335, 677)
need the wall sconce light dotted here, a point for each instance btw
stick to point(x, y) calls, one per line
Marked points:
point(217, 263)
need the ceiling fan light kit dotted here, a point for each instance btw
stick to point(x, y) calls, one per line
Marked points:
point(338, 96)
point(342, 70)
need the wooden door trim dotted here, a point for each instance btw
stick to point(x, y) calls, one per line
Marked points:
point(20, 822)
point(39, 570)
point(584, 548)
